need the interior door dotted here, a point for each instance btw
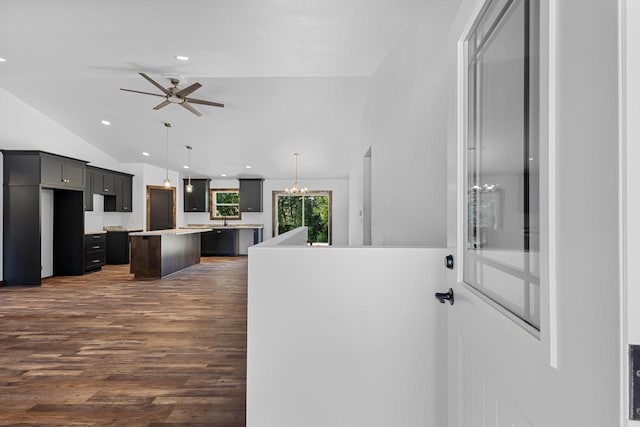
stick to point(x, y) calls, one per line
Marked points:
point(161, 214)
point(531, 340)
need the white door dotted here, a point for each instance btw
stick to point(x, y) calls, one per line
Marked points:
point(534, 334)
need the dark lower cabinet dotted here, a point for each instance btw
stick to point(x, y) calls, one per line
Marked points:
point(94, 251)
point(219, 242)
point(118, 247)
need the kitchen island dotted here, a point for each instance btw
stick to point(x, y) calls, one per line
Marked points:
point(156, 254)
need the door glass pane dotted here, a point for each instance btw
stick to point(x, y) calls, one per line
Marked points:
point(502, 187)
point(289, 213)
point(312, 210)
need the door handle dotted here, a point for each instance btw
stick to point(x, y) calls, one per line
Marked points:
point(442, 297)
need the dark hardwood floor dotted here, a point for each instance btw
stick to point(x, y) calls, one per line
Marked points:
point(105, 349)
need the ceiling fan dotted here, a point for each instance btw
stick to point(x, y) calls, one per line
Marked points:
point(175, 95)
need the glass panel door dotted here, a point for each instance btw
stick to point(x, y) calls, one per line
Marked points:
point(312, 209)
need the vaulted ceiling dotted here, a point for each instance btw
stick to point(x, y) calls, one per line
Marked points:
point(293, 75)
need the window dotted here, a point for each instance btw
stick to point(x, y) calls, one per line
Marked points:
point(225, 203)
point(501, 255)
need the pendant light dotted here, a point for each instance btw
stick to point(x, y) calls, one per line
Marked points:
point(167, 181)
point(189, 187)
point(296, 186)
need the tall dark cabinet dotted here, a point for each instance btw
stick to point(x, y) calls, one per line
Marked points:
point(198, 199)
point(25, 174)
point(251, 194)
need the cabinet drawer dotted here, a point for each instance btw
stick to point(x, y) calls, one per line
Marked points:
point(98, 245)
point(94, 261)
point(94, 238)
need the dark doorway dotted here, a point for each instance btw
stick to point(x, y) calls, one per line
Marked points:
point(161, 208)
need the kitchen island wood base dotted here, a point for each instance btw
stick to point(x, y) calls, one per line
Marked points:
point(157, 254)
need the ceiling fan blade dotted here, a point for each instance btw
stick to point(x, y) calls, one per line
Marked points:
point(162, 104)
point(146, 93)
point(189, 89)
point(190, 108)
point(155, 83)
point(200, 101)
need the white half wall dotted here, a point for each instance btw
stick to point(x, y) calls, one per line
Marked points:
point(361, 343)
point(404, 123)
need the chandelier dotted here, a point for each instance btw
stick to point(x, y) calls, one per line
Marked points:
point(296, 185)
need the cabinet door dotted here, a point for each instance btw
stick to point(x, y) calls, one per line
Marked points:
point(51, 170)
point(88, 190)
point(198, 199)
point(251, 195)
point(73, 174)
point(126, 194)
point(98, 178)
point(109, 183)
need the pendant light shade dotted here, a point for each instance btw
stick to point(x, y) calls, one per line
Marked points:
point(167, 181)
point(296, 185)
point(189, 187)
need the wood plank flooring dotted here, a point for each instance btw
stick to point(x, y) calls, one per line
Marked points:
point(103, 349)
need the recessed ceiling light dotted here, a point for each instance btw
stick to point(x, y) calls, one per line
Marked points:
point(185, 166)
point(182, 58)
point(248, 166)
point(3, 60)
point(144, 153)
point(106, 122)
point(224, 174)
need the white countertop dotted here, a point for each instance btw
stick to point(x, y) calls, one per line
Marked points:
point(86, 233)
point(173, 231)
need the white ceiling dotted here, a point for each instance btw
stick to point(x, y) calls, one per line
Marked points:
point(292, 74)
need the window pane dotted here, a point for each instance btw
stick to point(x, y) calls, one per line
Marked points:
point(227, 211)
point(227, 198)
point(502, 188)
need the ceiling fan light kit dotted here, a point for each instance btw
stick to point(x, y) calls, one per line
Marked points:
point(175, 95)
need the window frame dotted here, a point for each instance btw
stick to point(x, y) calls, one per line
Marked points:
point(213, 204)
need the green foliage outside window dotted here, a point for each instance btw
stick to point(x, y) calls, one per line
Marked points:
point(316, 215)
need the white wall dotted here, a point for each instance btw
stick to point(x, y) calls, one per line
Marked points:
point(340, 198)
point(357, 344)
point(405, 125)
point(631, 177)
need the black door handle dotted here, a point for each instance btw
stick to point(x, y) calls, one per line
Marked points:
point(442, 297)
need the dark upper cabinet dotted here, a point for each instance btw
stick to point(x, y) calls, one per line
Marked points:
point(104, 182)
point(219, 242)
point(116, 188)
point(198, 199)
point(251, 195)
point(123, 185)
point(126, 194)
point(88, 190)
point(61, 172)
